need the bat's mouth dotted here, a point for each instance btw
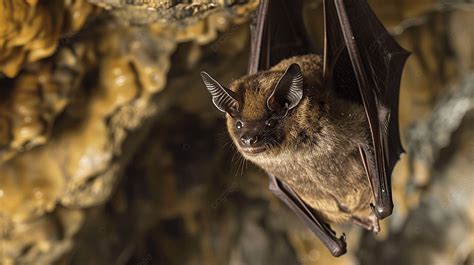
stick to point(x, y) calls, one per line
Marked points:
point(253, 150)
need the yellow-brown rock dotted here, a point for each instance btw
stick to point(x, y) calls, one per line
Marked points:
point(30, 30)
point(65, 120)
point(112, 153)
point(33, 100)
point(139, 12)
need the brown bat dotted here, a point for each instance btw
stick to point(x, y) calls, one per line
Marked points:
point(325, 128)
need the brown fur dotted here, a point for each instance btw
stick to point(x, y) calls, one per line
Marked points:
point(316, 152)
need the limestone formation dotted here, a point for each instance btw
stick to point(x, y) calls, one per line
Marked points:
point(112, 153)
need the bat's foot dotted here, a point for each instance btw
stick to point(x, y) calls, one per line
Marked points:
point(375, 224)
point(370, 224)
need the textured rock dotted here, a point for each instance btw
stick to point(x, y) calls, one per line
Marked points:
point(111, 152)
point(96, 90)
point(169, 11)
point(439, 231)
point(33, 101)
point(30, 30)
point(40, 241)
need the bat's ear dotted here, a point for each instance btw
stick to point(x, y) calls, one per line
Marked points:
point(289, 90)
point(223, 98)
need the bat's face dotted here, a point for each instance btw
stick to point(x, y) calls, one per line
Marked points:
point(258, 108)
point(258, 132)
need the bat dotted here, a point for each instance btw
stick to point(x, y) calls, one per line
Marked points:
point(325, 128)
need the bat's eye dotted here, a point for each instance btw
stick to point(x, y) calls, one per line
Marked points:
point(271, 123)
point(239, 125)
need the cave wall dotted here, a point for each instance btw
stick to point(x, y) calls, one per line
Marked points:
point(112, 153)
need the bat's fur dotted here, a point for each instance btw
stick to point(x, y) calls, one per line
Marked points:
point(314, 149)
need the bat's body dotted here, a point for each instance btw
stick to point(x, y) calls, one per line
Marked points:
point(317, 153)
point(324, 129)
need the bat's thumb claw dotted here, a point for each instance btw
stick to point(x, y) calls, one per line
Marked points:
point(340, 249)
point(382, 211)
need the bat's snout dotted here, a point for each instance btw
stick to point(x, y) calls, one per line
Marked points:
point(251, 144)
point(249, 140)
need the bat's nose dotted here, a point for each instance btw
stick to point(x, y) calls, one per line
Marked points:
point(249, 140)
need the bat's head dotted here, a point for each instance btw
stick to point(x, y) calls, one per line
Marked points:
point(259, 108)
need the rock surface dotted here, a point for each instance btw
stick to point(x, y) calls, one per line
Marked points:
point(111, 152)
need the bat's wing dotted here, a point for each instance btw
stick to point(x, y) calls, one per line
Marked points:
point(354, 34)
point(337, 246)
point(277, 33)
